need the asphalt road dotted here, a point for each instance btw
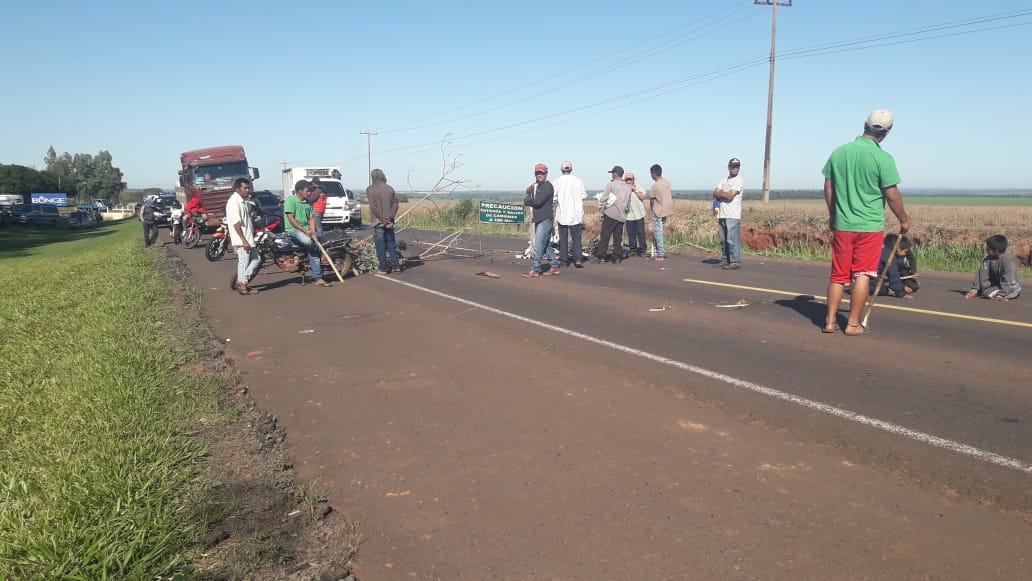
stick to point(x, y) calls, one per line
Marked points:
point(645, 420)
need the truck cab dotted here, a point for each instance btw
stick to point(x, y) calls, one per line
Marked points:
point(212, 171)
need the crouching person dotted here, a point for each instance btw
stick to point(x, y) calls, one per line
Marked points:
point(997, 278)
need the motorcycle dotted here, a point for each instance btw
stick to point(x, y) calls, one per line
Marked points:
point(289, 256)
point(194, 229)
point(175, 224)
point(219, 243)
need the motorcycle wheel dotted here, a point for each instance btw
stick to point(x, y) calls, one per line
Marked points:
point(192, 238)
point(344, 263)
point(177, 234)
point(216, 249)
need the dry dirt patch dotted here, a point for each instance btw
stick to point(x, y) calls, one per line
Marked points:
point(277, 527)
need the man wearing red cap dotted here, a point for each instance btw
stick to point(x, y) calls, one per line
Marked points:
point(540, 199)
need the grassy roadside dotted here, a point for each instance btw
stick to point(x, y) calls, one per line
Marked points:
point(98, 475)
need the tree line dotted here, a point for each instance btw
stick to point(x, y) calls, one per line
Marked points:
point(82, 176)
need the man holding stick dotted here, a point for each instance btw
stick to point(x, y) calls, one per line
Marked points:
point(859, 178)
point(301, 226)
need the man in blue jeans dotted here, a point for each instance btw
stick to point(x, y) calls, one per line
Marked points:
point(383, 207)
point(729, 193)
point(540, 199)
point(300, 226)
point(661, 202)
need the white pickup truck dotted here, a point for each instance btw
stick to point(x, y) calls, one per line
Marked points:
point(342, 208)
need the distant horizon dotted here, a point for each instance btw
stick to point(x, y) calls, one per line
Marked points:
point(750, 192)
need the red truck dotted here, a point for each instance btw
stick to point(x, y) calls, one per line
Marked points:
point(212, 170)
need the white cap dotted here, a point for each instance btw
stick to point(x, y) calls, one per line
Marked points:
point(566, 166)
point(880, 119)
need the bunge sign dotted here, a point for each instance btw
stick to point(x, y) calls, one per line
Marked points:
point(501, 213)
point(50, 199)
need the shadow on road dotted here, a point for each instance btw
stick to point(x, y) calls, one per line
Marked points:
point(806, 306)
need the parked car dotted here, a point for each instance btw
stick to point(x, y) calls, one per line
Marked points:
point(80, 219)
point(270, 204)
point(163, 208)
point(36, 214)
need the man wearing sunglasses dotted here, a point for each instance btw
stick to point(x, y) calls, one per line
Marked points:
point(635, 224)
point(729, 193)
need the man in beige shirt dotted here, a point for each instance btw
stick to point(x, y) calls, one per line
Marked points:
point(661, 202)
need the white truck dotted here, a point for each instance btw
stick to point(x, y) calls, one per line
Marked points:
point(342, 208)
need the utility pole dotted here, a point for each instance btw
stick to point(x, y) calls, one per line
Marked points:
point(770, 89)
point(369, 153)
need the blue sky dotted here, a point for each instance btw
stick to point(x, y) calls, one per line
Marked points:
point(681, 83)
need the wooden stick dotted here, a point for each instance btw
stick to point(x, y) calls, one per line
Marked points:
point(449, 238)
point(328, 259)
point(874, 295)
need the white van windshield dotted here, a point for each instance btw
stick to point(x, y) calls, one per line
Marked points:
point(334, 189)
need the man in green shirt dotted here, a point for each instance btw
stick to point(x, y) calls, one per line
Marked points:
point(301, 226)
point(859, 178)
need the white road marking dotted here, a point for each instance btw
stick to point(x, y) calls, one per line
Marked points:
point(959, 448)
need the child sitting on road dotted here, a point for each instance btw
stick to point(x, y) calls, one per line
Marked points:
point(901, 279)
point(997, 278)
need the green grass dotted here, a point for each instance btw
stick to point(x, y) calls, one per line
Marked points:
point(98, 477)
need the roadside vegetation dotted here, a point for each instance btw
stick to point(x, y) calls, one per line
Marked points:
point(949, 233)
point(98, 476)
point(128, 447)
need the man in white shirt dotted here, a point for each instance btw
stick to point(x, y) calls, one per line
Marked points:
point(729, 193)
point(241, 234)
point(570, 195)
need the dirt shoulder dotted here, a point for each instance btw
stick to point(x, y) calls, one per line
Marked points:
point(468, 445)
point(275, 526)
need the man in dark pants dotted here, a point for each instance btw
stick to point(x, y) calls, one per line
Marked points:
point(613, 203)
point(150, 228)
point(383, 206)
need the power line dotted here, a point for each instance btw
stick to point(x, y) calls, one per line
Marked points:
point(698, 78)
point(635, 57)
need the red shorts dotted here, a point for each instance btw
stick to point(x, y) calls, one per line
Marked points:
point(855, 254)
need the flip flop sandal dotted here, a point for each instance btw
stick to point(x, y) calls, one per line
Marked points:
point(863, 330)
point(833, 329)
